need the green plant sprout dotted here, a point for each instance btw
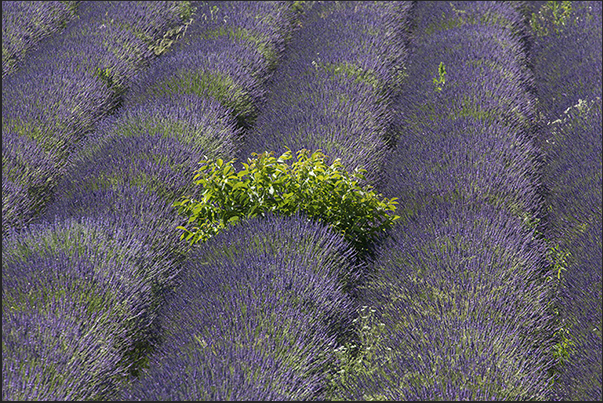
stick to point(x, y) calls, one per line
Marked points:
point(105, 75)
point(558, 260)
point(366, 357)
point(441, 80)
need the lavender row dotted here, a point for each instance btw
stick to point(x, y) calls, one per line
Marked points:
point(255, 316)
point(459, 296)
point(26, 23)
point(228, 58)
point(574, 177)
point(478, 85)
point(567, 54)
point(336, 95)
point(460, 286)
point(73, 306)
point(69, 84)
point(125, 176)
point(334, 88)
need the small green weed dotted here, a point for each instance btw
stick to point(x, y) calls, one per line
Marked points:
point(441, 80)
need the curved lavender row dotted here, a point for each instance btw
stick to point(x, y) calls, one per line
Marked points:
point(442, 17)
point(74, 309)
point(23, 161)
point(574, 178)
point(155, 147)
point(581, 295)
point(567, 67)
point(124, 151)
point(89, 102)
point(137, 212)
point(26, 23)
point(473, 147)
point(220, 70)
point(214, 62)
point(458, 292)
point(460, 286)
point(76, 78)
point(471, 107)
point(334, 97)
point(262, 299)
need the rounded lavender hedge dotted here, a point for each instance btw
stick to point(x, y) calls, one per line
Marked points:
point(255, 316)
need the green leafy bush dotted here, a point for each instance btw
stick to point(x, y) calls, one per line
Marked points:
point(270, 184)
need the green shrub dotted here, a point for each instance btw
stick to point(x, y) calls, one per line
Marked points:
point(270, 184)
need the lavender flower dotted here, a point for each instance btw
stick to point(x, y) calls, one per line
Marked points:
point(265, 308)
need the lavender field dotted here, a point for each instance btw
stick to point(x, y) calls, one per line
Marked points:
point(126, 124)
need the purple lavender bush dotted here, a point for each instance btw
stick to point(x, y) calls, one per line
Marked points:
point(463, 260)
point(162, 164)
point(77, 270)
point(253, 318)
point(56, 118)
point(26, 23)
point(198, 123)
point(567, 56)
point(328, 97)
point(464, 159)
point(27, 173)
point(460, 294)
